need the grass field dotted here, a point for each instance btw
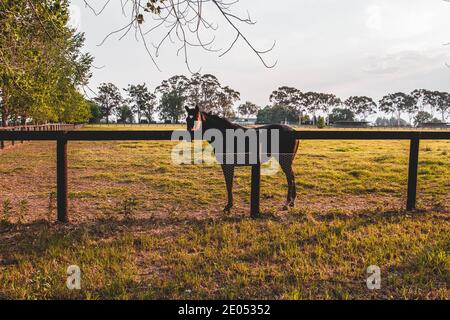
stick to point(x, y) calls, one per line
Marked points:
point(144, 228)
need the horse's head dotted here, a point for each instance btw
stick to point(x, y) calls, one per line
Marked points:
point(194, 119)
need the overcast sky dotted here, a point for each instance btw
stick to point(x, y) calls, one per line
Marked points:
point(346, 47)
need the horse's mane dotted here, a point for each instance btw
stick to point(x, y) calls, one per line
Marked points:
point(220, 119)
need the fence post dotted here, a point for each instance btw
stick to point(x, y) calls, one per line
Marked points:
point(256, 182)
point(61, 178)
point(412, 174)
point(23, 129)
point(255, 190)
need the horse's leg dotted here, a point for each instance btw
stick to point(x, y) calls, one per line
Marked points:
point(228, 172)
point(294, 188)
point(286, 165)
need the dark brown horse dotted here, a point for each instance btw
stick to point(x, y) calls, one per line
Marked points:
point(287, 149)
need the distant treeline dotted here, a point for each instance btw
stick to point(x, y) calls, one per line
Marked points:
point(291, 105)
point(166, 103)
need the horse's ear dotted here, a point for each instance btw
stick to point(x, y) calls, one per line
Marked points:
point(197, 109)
point(187, 109)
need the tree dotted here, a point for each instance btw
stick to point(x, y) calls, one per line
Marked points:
point(76, 109)
point(422, 117)
point(248, 109)
point(361, 105)
point(226, 98)
point(389, 122)
point(206, 92)
point(150, 107)
point(96, 114)
point(178, 83)
point(321, 123)
point(276, 114)
point(41, 63)
point(341, 114)
point(141, 101)
point(327, 101)
point(312, 105)
point(419, 95)
point(434, 100)
point(290, 97)
point(195, 95)
point(396, 103)
point(202, 91)
point(109, 99)
point(443, 104)
point(287, 96)
point(124, 114)
point(426, 98)
point(173, 93)
point(411, 109)
point(171, 106)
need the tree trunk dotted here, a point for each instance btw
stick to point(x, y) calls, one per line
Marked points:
point(4, 108)
point(2, 143)
point(4, 116)
point(138, 114)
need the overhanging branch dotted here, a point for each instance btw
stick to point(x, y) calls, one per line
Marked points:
point(185, 21)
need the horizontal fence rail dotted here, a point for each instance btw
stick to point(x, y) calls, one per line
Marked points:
point(105, 135)
point(42, 127)
point(35, 128)
point(62, 138)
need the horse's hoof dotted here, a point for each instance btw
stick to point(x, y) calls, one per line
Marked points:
point(227, 209)
point(288, 206)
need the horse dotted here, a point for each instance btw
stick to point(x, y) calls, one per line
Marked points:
point(288, 147)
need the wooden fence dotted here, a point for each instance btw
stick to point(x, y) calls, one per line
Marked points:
point(33, 128)
point(62, 138)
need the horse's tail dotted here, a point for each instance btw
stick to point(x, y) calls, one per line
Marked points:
point(297, 144)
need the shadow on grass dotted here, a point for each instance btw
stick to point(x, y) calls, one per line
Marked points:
point(30, 240)
point(431, 265)
point(36, 237)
